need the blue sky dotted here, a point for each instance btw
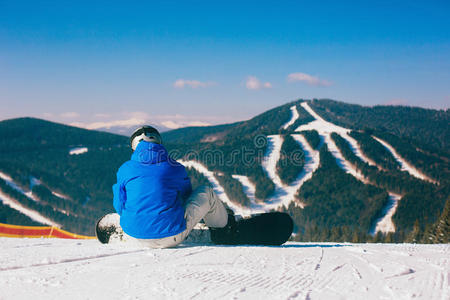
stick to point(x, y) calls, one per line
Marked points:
point(207, 62)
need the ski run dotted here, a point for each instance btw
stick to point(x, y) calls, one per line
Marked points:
point(293, 118)
point(14, 204)
point(86, 269)
point(405, 166)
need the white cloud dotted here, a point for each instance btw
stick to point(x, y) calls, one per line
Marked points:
point(170, 124)
point(253, 83)
point(175, 125)
point(308, 79)
point(182, 83)
point(70, 115)
point(198, 123)
point(122, 123)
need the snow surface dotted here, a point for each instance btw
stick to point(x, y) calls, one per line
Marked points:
point(405, 166)
point(294, 117)
point(86, 269)
point(78, 150)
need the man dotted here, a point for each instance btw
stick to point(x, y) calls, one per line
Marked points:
point(154, 198)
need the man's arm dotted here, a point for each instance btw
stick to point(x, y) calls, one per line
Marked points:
point(186, 187)
point(120, 195)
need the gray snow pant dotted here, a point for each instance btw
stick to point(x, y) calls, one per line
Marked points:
point(204, 204)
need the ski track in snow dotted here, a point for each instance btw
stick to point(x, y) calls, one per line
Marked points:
point(405, 166)
point(70, 269)
point(294, 117)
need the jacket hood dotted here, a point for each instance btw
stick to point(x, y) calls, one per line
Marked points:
point(149, 153)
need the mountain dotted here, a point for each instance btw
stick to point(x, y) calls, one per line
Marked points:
point(344, 172)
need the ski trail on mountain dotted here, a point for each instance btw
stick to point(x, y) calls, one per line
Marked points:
point(385, 223)
point(342, 162)
point(285, 194)
point(270, 159)
point(356, 149)
point(32, 214)
point(9, 181)
point(248, 186)
point(14, 204)
point(324, 128)
point(405, 166)
point(218, 189)
point(294, 117)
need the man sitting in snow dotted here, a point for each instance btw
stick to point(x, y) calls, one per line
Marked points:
point(154, 198)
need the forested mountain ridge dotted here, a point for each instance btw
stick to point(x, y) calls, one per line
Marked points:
point(429, 127)
point(267, 162)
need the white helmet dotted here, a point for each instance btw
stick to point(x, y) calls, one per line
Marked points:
point(145, 133)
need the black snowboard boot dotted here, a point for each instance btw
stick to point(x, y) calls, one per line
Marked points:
point(225, 235)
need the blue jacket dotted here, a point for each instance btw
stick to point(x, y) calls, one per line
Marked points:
point(149, 193)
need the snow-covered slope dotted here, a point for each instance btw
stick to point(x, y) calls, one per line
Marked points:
point(71, 269)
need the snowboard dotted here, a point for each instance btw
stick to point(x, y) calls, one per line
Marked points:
point(272, 229)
